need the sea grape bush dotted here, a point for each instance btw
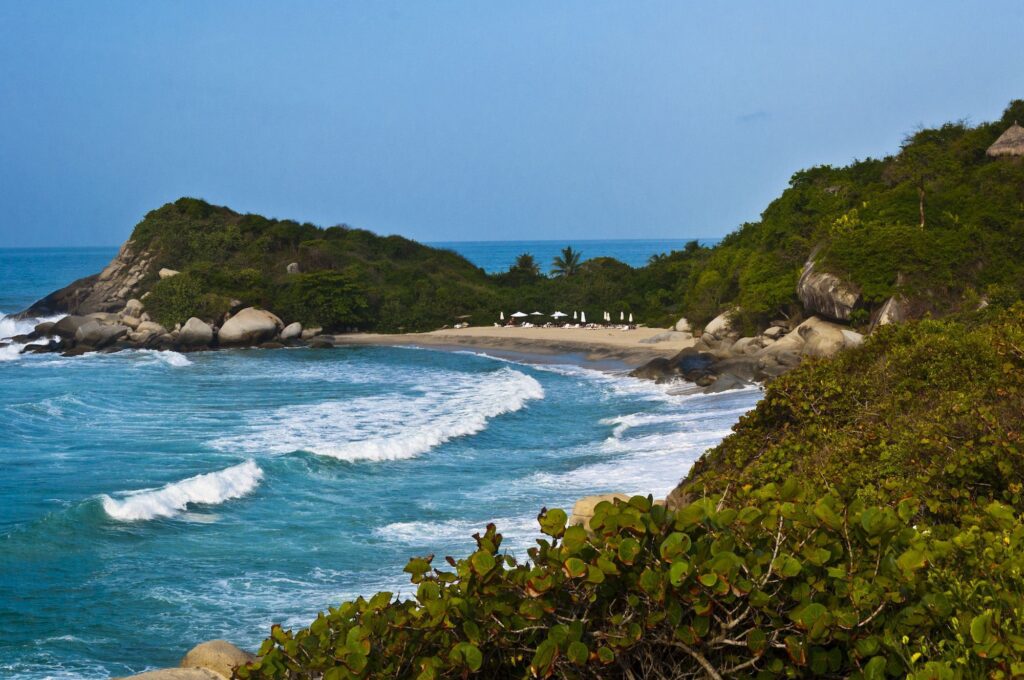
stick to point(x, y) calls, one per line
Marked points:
point(765, 583)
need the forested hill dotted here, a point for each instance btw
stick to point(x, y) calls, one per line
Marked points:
point(937, 227)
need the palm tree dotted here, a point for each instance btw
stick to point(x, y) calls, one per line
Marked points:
point(567, 264)
point(526, 264)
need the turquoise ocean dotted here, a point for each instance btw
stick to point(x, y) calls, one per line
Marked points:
point(152, 500)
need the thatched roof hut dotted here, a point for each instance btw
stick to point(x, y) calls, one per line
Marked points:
point(1010, 143)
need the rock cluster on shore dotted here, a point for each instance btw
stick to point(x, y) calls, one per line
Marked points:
point(722, 360)
point(132, 328)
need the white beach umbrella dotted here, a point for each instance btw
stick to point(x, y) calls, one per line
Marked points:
point(520, 315)
point(631, 317)
point(575, 314)
point(607, 316)
point(583, 317)
point(501, 315)
point(622, 316)
point(558, 315)
point(537, 314)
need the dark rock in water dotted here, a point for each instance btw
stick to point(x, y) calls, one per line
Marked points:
point(655, 369)
point(97, 335)
point(68, 326)
point(77, 351)
point(40, 348)
point(743, 367)
point(689, 364)
point(706, 380)
point(726, 381)
point(317, 343)
point(24, 337)
point(44, 328)
point(271, 345)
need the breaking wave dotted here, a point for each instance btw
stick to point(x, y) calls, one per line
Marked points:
point(208, 489)
point(391, 427)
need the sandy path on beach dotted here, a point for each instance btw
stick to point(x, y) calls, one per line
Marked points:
point(595, 344)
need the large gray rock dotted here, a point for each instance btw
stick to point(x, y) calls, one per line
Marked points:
point(825, 339)
point(823, 293)
point(195, 333)
point(895, 310)
point(683, 326)
point(723, 326)
point(166, 273)
point(177, 674)
point(96, 335)
point(292, 268)
point(133, 308)
point(725, 382)
point(151, 326)
point(250, 326)
point(219, 656)
point(308, 333)
point(292, 331)
point(68, 326)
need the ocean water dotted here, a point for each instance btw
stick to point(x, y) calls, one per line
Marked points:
point(152, 500)
point(498, 256)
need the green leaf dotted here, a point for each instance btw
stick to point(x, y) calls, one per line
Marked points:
point(578, 653)
point(543, 658)
point(674, 546)
point(912, 559)
point(574, 567)
point(574, 539)
point(482, 561)
point(628, 550)
point(552, 522)
point(981, 628)
point(679, 571)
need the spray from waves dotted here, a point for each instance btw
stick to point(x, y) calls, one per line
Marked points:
point(169, 357)
point(394, 426)
point(11, 326)
point(208, 489)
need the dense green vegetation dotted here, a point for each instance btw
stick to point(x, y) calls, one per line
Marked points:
point(932, 409)
point(864, 521)
point(938, 222)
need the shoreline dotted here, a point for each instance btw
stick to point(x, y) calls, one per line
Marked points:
point(626, 348)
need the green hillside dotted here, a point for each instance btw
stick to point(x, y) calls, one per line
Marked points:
point(862, 221)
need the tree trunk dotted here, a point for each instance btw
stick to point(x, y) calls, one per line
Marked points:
point(920, 203)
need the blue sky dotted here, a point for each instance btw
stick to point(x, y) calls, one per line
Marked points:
point(469, 120)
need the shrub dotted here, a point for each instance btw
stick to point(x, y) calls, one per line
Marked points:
point(770, 584)
point(174, 300)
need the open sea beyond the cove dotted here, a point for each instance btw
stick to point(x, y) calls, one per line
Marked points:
point(153, 500)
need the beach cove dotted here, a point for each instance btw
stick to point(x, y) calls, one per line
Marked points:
point(128, 470)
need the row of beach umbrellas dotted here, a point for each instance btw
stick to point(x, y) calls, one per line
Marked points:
point(581, 316)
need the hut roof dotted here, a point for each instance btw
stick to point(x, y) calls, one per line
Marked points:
point(1010, 143)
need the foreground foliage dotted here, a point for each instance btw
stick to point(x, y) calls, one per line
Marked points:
point(771, 584)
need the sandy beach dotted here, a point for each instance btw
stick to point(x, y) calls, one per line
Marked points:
point(626, 346)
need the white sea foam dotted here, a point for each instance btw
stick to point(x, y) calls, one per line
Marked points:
point(11, 326)
point(394, 426)
point(169, 357)
point(208, 489)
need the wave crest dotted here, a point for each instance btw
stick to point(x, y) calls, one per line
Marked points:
point(211, 488)
point(391, 427)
